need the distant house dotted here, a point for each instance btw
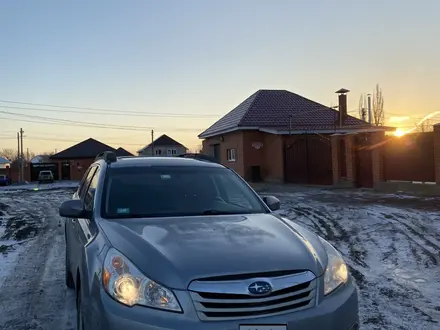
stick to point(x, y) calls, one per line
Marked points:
point(4, 163)
point(121, 152)
point(74, 161)
point(163, 146)
point(40, 159)
point(277, 135)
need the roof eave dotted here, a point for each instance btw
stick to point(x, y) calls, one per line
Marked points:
point(228, 130)
point(335, 130)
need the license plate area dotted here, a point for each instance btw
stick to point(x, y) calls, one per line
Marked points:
point(262, 327)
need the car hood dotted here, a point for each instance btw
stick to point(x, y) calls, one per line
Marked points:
point(175, 251)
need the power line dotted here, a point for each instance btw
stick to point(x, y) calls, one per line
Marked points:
point(106, 110)
point(52, 121)
point(122, 113)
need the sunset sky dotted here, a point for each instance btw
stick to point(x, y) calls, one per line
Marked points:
point(184, 64)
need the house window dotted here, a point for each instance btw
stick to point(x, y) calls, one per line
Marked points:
point(230, 155)
point(172, 152)
point(158, 152)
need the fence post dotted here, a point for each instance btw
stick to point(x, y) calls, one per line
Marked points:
point(437, 153)
point(335, 157)
point(376, 139)
point(350, 160)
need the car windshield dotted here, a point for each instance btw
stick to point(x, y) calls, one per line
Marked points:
point(176, 191)
point(45, 172)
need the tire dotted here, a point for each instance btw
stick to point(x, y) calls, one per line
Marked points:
point(68, 274)
point(79, 316)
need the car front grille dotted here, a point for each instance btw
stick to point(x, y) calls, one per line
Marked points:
point(230, 300)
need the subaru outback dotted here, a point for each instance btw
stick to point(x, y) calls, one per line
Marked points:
point(180, 243)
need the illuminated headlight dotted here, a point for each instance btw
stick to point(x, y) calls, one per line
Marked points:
point(125, 283)
point(336, 272)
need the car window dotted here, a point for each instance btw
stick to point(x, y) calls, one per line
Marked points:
point(89, 196)
point(176, 191)
point(230, 194)
point(86, 182)
point(2, 176)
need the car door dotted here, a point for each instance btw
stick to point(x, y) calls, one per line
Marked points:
point(72, 223)
point(68, 224)
point(86, 228)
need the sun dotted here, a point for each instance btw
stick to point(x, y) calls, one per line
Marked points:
point(399, 132)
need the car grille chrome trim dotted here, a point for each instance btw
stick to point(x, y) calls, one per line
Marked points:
point(230, 300)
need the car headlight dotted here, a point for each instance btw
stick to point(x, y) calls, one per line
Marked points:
point(336, 272)
point(125, 283)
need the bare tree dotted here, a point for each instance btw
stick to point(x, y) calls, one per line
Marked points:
point(377, 107)
point(9, 153)
point(425, 126)
point(29, 155)
point(362, 108)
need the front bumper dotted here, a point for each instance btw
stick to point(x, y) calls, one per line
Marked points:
point(338, 311)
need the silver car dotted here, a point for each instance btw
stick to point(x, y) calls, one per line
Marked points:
point(178, 243)
point(45, 176)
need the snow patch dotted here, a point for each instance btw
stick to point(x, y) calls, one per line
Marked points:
point(37, 186)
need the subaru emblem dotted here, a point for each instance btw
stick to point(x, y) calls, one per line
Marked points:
point(260, 288)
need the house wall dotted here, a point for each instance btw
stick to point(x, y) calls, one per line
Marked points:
point(13, 173)
point(228, 141)
point(164, 151)
point(78, 167)
point(253, 148)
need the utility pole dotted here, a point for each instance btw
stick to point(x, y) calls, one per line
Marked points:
point(22, 155)
point(369, 108)
point(27, 154)
point(152, 143)
point(18, 157)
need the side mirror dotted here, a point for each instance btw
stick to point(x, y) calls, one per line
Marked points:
point(73, 209)
point(272, 202)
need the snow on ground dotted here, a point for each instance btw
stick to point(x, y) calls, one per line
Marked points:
point(37, 186)
point(32, 290)
point(391, 244)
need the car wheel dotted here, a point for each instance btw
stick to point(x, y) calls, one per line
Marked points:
point(79, 315)
point(69, 278)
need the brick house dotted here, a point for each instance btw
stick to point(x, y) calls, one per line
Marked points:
point(163, 146)
point(280, 136)
point(72, 162)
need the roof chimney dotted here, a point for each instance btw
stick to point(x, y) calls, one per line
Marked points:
point(342, 105)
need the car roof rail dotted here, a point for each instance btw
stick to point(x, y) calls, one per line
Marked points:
point(107, 156)
point(198, 156)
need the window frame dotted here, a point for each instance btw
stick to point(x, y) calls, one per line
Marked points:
point(172, 152)
point(83, 179)
point(90, 206)
point(158, 152)
point(231, 155)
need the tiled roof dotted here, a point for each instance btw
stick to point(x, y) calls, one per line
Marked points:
point(272, 109)
point(164, 141)
point(89, 148)
point(121, 152)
